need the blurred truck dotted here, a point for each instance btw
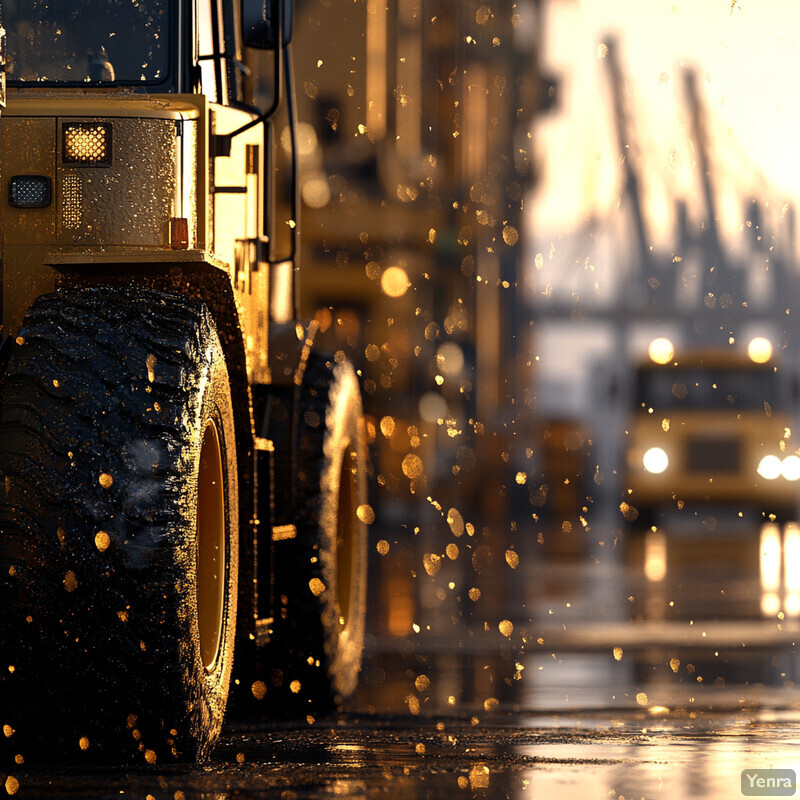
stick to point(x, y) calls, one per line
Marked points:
point(711, 451)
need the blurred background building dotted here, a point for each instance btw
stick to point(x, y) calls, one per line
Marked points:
point(504, 204)
point(416, 143)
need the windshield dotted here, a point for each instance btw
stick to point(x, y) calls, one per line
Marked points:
point(83, 41)
point(700, 388)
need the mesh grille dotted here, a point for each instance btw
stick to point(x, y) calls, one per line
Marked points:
point(716, 455)
point(71, 202)
point(29, 191)
point(87, 143)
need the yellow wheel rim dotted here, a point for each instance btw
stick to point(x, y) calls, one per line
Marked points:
point(210, 547)
point(346, 527)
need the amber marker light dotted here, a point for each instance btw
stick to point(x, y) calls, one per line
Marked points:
point(655, 555)
point(87, 144)
point(179, 233)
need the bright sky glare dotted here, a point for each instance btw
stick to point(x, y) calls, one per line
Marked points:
point(748, 60)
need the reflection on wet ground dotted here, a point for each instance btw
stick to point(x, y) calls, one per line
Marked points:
point(603, 685)
point(565, 756)
point(593, 637)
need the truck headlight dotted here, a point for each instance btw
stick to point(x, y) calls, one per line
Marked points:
point(87, 143)
point(655, 460)
point(790, 468)
point(770, 467)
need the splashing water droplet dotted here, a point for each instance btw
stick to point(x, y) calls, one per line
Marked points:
point(365, 514)
point(455, 521)
point(479, 775)
point(510, 235)
point(259, 690)
point(412, 466)
point(432, 563)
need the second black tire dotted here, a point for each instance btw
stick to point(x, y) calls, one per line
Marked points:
point(320, 575)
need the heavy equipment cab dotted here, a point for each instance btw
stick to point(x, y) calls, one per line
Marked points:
point(182, 470)
point(149, 94)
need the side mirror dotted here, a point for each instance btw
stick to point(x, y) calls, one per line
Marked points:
point(260, 23)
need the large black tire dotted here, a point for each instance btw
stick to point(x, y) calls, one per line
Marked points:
point(314, 660)
point(118, 529)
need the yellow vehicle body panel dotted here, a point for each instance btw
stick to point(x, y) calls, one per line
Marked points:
point(112, 103)
point(120, 213)
point(713, 457)
point(26, 148)
point(712, 416)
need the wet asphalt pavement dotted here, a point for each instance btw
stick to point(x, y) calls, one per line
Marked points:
point(575, 724)
point(669, 697)
point(626, 755)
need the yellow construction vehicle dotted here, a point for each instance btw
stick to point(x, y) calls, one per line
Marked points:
point(184, 475)
point(711, 428)
point(711, 453)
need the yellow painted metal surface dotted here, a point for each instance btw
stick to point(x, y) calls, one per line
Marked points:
point(755, 435)
point(125, 206)
point(26, 148)
point(236, 225)
point(66, 257)
point(131, 201)
point(29, 103)
point(24, 278)
point(714, 447)
point(119, 213)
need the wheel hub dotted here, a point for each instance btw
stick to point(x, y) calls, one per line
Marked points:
point(211, 556)
point(346, 524)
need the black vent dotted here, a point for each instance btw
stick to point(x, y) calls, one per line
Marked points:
point(707, 454)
